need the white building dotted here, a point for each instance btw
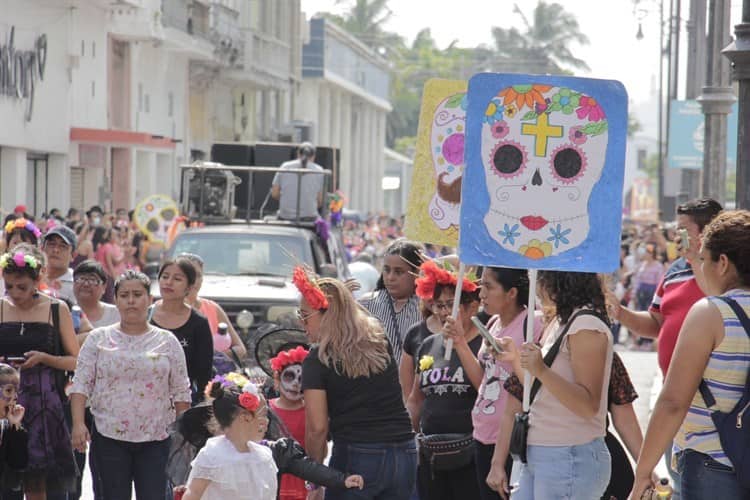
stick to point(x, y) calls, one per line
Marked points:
point(344, 94)
point(130, 89)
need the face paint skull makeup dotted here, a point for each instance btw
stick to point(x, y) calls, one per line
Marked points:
point(543, 150)
point(291, 382)
point(447, 148)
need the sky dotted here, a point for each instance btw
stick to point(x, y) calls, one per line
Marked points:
point(611, 26)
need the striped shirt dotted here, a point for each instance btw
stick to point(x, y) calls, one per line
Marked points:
point(381, 306)
point(725, 375)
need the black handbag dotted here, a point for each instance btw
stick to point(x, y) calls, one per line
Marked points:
point(520, 433)
point(446, 452)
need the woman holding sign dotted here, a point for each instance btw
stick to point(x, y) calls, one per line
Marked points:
point(444, 391)
point(565, 454)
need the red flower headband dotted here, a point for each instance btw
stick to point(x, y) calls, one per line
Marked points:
point(309, 289)
point(291, 357)
point(433, 275)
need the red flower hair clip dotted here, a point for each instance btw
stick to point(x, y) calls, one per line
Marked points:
point(249, 401)
point(433, 275)
point(291, 357)
point(309, 289)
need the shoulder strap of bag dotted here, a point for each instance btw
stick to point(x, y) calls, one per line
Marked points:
point(54, 310)
point(706, 394)
point(552, 353)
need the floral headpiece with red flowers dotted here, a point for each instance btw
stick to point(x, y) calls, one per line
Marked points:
point(249, 397)
point(309, 289)
point(291, 357)
point(22, 223)
point(432, 275)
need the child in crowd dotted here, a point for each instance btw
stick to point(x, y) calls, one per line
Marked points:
point(233, 465)
point(14, 453)
point(290, 408)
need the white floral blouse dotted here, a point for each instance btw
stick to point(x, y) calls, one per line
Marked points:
point(132, 382)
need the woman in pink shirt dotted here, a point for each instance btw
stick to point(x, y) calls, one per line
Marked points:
point(504, 295)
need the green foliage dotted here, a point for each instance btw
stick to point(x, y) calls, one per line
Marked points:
point(541, 46)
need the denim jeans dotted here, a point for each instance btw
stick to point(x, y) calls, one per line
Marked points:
point(120, 464)
point(579, 472)
point(703, 477)
point(389, 469)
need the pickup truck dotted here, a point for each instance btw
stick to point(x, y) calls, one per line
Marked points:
point(248, 268)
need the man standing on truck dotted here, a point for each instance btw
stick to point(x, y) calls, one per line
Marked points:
point(310, 197)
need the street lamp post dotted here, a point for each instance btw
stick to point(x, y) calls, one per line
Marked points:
point(716, 101)
point(738, 52)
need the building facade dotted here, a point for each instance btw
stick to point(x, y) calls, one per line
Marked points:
point(114, 95)
point(344, 98)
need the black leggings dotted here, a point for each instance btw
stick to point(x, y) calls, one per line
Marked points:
point(483, 460)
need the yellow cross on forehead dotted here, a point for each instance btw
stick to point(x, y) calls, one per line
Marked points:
point(542, 130)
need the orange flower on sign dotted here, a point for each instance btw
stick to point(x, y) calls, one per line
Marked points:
point(524, 95)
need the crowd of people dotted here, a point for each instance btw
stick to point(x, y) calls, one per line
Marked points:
point(92, 365)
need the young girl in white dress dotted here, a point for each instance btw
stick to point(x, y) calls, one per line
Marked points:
point(233, 466)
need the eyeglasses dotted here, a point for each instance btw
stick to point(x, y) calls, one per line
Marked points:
point(87, 280)
point(55, 245)
point(439, 306)
point(303, 318)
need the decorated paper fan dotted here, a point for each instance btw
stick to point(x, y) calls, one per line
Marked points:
point(270, 344)
point(154, 215)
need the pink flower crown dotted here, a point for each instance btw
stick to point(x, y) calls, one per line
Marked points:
point(22, 223)
point(19, 260)
point(249, 397)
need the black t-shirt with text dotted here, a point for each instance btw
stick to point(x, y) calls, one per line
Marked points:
point(362, 409)
point(449, 395)
point(415, 336)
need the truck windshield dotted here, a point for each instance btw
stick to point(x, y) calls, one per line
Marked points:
point(246, 254)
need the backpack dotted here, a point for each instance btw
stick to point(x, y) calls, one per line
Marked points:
point(734, 427)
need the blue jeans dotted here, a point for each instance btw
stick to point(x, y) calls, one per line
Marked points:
point(389, 469)
point(703, 477)
point(578, 472)
point(122, 463)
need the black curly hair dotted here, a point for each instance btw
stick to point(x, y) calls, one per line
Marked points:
point(569, 291)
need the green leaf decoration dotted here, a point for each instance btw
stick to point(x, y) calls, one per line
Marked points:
point(454, 101)
point(530, 115)
point(595, 128)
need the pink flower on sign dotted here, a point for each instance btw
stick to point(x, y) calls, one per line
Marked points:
point(588, 107)
point(453, 149)
point(576, 135)
point(499, 129)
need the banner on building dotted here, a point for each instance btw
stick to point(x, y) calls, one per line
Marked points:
point(433, 209)
point(542, 187)
point(686, 135)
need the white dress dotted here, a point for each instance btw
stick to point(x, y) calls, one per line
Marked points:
point(235, 475)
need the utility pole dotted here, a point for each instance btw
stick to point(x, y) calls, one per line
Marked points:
point(716, 101)
point(696, 76)
point(738, 52)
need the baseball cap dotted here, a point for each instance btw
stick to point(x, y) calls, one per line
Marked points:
point(64, 232)
point(20, 209)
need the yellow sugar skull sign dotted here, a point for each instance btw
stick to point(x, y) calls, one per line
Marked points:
point(435, 198)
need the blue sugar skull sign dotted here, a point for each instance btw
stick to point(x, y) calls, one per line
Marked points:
point(544, 171)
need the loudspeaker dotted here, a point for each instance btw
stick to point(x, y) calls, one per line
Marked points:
point(267, 155)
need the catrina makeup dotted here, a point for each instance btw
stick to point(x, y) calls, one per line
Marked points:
point(290, 384)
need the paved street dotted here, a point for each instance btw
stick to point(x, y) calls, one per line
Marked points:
point(643, 370)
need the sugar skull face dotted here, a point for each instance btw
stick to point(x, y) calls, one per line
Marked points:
point(543, 150)
point(447, 147)
point(290, 384)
